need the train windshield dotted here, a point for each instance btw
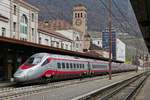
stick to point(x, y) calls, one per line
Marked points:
point(33, 61)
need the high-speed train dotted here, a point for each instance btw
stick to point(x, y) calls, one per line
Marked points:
point(52, 66)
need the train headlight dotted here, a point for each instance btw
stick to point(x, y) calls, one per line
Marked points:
point(20, 77)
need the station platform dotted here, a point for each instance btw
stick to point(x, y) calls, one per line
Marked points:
point(144, 93)
point(5, 83)
point(72, 92)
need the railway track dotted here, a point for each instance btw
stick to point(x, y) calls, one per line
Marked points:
point(7, 93)
point(123, 90)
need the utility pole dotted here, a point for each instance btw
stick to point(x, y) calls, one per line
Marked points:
point(136, 59)
point(110, 37)
point(143, 61)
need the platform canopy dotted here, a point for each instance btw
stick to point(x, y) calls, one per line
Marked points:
point(142, 12)
point(28, 47)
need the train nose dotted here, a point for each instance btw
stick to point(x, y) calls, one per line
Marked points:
point(20, 77)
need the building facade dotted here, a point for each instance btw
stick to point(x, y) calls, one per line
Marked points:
point(5, 18)
point(79, 22)
point(24, 21)
point(19, 20)
point(73, 35)
point(105, 42)
point(96, 38)
point(120, 50)
point(118, 47)
point(80, 18)
point(54, 39)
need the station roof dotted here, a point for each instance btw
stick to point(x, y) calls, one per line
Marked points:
point(142, 12)
point(35, 48)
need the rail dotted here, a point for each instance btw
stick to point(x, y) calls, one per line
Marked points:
point(15, 91)
point(124, 90)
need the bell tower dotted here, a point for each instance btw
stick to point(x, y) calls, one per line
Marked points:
point(80, 18)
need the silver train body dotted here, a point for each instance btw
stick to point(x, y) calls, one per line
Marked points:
point(48, 66)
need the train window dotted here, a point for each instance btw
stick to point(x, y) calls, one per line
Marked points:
point(33, 61)
point(45, 62)
point(83, 66)
point(67, 65)
point(63, 65)
point(77, 65)
point(58, 65)
point(80, 66)
point(74, 66)
point(71, 65)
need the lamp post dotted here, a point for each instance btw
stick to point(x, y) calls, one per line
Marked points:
point(110, 37)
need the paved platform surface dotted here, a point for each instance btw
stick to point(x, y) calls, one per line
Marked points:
point(145, 91)
point(71, 91)
point(5, 83)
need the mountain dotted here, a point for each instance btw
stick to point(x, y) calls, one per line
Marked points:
point(123, 16)
point(123, 19)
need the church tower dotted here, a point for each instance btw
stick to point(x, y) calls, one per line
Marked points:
point(80, 19)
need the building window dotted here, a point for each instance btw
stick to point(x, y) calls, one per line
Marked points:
point(23, 39)
point(76, 15)
point(81, 15)
point(32, 31)
point(98, 42)
point(14, 26)
point(3, 31)
point(39, 40)
point(77, 39)
point(32, 17)
point(52, 43)
point(15, 9)
point(46, 41)
point(24, 24)
point(66, 46)
point(62, 45)
point(77, 45)
point(57, 44)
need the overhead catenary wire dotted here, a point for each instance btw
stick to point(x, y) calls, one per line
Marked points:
point(53, 17)
point(116, 17)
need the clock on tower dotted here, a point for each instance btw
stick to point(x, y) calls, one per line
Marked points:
point(78, 22)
